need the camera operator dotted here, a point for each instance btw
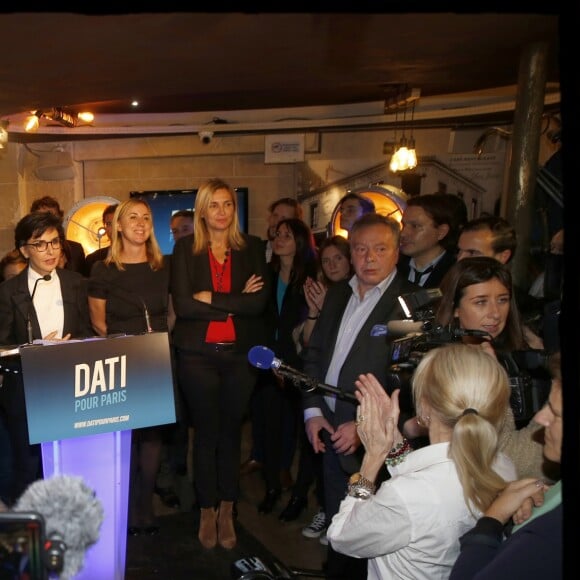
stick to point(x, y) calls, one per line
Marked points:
point(477, 294)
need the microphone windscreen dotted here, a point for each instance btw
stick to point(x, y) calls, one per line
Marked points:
point(47, 277)
point(261, 357)
point(403, 327)
point(70, 510)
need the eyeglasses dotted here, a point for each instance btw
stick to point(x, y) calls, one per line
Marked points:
point(42, 246)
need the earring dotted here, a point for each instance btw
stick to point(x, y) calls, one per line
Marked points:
point(423, 421)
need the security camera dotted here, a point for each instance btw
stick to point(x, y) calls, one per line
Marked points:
point(205, 137)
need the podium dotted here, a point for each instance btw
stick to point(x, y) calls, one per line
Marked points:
point(83, 398)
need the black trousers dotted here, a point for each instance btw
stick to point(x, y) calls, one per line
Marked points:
point(216, 388)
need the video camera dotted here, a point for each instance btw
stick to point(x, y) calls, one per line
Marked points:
point(25, 550)
point(527, 369)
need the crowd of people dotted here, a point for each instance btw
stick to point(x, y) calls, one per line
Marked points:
point(401, 470)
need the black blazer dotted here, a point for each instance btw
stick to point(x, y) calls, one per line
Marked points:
point(75, 254)
point(293, 312)
point(439, 271)
point(369, 354)
point(16, 305)
point(191, 273)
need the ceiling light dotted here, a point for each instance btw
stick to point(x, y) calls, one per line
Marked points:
point(59, 115)
point(404, 156)
point(33, 122)
point(3, 134)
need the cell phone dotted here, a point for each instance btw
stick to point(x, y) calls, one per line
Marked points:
point(22, 537)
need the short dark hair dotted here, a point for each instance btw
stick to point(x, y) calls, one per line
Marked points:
point(504, 234)
point(186, 213)
point(438, 207)
point(12, 257)
point(34, 224)
point(47, 201)
point(290, 201)
point(109, 210)
point(366, 204)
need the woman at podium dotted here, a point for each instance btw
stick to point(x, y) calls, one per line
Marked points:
point(42, 302)
point(129, 294)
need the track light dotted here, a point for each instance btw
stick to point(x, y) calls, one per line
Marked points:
point(58, 115)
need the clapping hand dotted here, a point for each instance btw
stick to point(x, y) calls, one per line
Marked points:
point(377, 416)
point(315, 293)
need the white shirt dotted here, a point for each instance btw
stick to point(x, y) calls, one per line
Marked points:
point(47, 302)
point(411, 527)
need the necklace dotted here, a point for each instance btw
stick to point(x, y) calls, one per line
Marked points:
point(218, 270)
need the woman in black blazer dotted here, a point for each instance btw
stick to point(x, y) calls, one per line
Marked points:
point(219, 291)
point(279, 404)
point(59, 311)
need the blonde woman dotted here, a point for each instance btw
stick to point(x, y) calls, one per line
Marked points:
point(132, 281)
point(219, 294)
point(411, 526)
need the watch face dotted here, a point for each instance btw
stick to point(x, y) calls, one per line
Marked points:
point(362, 493)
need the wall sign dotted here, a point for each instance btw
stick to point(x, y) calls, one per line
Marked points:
point(284, 148)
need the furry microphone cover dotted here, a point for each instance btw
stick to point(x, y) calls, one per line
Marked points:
point(71, 512)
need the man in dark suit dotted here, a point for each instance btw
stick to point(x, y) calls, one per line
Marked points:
point(431, 225)
point(349, 339)
point(73, 253)
point(59, 312)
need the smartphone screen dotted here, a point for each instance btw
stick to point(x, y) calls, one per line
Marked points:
point(21, 546)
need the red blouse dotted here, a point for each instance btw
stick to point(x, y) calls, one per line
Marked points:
point(221, 276)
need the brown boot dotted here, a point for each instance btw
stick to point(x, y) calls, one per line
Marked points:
point(208, 528)
point(226, 532)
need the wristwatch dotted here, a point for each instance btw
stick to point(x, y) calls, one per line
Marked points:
point(360, 487)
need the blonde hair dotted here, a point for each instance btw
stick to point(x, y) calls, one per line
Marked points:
point(154, 253)
point(202, 201)
point(468, 390)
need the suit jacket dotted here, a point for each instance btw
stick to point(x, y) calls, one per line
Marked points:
point(534, 551)
point(439, 271)
point(16, 306)
point(292, 313)
point(191, 273)
point(75, 254)
point(369, 354)
point(96, 256)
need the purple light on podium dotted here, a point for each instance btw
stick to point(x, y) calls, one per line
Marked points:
point(103, 462)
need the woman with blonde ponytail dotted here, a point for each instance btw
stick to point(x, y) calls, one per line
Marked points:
point(410, 527)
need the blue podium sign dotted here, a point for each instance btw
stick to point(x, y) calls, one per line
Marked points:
point(81, 388)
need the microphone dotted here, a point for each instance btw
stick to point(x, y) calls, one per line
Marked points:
point(263, 358)
point(46, 278)
point(147, 319)
point(124, 293)
point(73, 518)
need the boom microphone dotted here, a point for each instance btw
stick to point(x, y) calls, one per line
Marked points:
point(263, 358)
point(72, 514)
point(46, 278)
